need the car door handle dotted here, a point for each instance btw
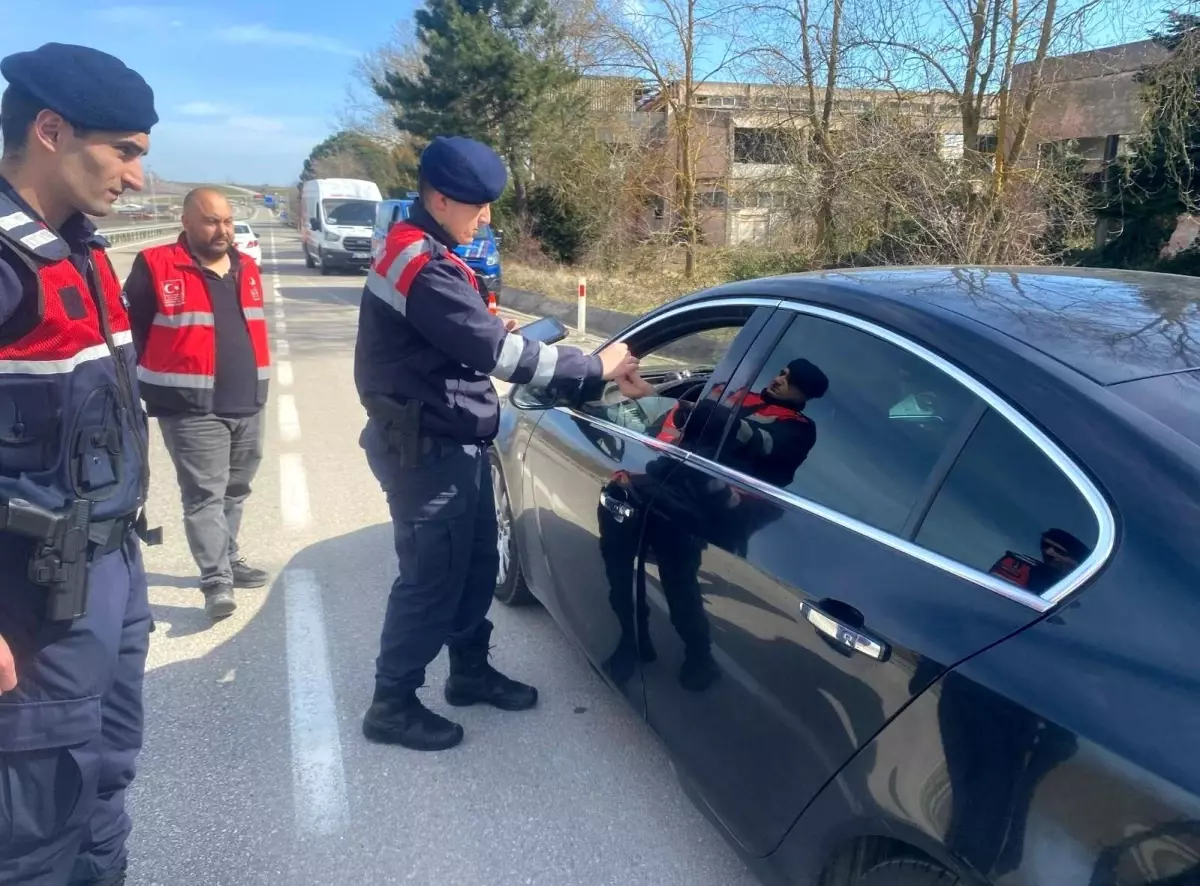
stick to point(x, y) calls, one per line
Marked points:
point(850, 638)
point(616, 507)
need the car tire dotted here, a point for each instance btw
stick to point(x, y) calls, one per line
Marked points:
point(908, 872)
point(324, 264)
point(511, 589)
point(308, 260)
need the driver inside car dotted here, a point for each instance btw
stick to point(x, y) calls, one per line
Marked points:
point(772, 436)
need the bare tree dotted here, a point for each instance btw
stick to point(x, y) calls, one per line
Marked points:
point(678, 45)
point(800, 48)
point(988, 58)
point(364, 110)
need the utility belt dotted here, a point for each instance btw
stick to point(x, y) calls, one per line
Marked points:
point(65, 543)
point(400, 421)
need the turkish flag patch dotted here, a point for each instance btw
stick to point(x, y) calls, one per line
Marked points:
point(172, 293)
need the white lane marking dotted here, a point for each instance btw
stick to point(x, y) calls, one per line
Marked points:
point(280, 324)
point(318, 774)
point(293, 491)
point(289, 419)
point(284, 372)
point(282, 348)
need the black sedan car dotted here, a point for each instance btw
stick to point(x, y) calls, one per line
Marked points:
point(902, 566)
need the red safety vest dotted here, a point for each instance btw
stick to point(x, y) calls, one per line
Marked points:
point(762, 410)
point(405, 252)
point(70, 421)
point(1014, 568)
point(178, 365)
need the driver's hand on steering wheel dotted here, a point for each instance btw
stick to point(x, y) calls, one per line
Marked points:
point(633, 386)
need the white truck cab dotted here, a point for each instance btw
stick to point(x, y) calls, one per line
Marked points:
point(338, 221)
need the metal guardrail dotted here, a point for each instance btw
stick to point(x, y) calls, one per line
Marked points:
point(139, 233)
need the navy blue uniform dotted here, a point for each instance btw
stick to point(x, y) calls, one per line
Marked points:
point(71, 730)
point(425, 334)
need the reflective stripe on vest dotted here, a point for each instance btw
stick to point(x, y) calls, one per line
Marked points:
point(181, 348)
point(406, 251)
point(68, 402)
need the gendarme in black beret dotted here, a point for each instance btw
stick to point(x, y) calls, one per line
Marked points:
point(464, 170)
point(89, 88)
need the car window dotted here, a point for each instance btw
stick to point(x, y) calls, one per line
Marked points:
point(844, 419)
point(1007, 509)
point(677, 357)
point(241, 229)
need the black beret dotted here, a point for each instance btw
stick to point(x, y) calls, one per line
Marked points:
point(808, 378)
point(89, 88)
point(464, 170)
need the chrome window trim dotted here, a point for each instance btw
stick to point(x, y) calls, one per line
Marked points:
point(1105, 522)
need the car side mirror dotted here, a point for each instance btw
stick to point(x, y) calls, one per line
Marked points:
point(315, 224)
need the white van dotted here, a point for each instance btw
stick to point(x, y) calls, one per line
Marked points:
point(337, 222)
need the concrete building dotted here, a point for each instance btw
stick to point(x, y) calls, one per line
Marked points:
point(1090, 105)
point(745, 143)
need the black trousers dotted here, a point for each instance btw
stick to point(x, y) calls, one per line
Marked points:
point(444, 521)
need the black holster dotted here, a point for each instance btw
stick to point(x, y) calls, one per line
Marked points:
point(401, 424)
point(60, 556)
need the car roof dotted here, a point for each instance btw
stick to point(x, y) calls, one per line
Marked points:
point(1111, 326)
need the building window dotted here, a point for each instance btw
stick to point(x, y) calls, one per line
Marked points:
point(714, 199)
point(762, 145)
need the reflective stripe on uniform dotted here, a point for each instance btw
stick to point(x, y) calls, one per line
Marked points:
point(55, 367)
point(254, 314)
point(15, 220)
point(264, 373)
point(379, 287)
point(391, 282)
point(192, 381)
point(547, 362)
point(124, 337)
point(186, 318)
point(510, 356)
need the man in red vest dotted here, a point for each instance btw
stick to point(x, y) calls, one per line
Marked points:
point(196, 308)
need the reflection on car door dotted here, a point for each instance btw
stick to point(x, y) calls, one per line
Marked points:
point(789, 614)
point(595, 468)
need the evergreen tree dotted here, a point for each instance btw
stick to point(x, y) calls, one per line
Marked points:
point(348, 154)
point(489, 67)
point(1161, 180)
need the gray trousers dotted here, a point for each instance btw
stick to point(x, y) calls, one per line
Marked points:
point(215, 461)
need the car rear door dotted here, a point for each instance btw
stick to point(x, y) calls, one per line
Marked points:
point(791, 613)
point(595, 467)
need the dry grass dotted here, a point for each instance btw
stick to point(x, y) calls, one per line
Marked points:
point(650, 278)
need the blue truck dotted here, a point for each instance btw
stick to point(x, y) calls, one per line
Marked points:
point(482, 255)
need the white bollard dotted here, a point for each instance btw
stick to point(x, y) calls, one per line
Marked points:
point(581, 321)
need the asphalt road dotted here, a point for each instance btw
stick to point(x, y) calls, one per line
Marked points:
point(254, 769)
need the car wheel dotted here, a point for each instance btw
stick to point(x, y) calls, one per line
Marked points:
point(510, 583)
point(908, 872)
point(324, 264)
point(308, 260)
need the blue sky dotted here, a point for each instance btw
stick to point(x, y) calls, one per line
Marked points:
point(243, 89)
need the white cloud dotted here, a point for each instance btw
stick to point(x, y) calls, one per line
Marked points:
point(263, 35)
point(205, 109)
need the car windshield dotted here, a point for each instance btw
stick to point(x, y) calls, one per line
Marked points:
point(350, 213)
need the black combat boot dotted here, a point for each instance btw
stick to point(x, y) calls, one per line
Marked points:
point(408, 723)
point(473, 680)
